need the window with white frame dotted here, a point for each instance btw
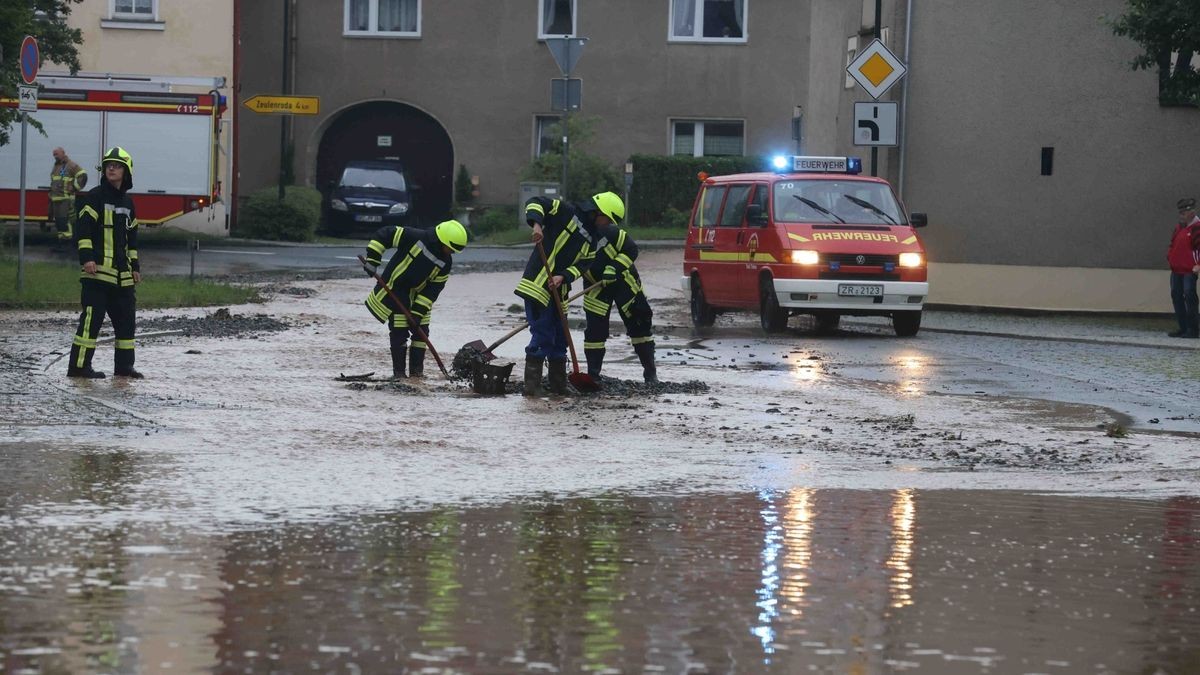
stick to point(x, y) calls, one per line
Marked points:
point(546, 132)
point(133, 10)
point(708, 20)
point(384, 18)
point(712, 138)
point(556, 18)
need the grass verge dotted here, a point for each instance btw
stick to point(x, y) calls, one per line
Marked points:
point(56, 285)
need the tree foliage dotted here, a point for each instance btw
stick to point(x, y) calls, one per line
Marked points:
point(587, 174)
point(1169, 33)
point(45, 20)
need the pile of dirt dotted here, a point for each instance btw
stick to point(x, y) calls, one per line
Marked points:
point(221, 323)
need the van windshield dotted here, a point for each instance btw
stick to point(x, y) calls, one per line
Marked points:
point(355, 176)
point(832, 201)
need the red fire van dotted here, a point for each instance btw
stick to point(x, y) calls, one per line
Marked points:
point(818, 239)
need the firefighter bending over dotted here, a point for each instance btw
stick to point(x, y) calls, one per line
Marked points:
point(559, 226)
point(416, 273)
point(106, 236)
point(612, 265)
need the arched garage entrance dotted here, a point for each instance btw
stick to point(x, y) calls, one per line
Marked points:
point(386, 129)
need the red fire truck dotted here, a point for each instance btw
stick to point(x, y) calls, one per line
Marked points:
point(814, 238)
point(173, 138)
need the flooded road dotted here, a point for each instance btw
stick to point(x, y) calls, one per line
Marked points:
point(855, 503)
point(770, 581)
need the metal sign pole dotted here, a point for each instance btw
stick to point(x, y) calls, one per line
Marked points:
point(878, 35)
point(21, 208)
point(566, 134)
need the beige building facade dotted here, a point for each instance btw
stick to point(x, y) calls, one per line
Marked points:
point(996, 96)
point(167, 39)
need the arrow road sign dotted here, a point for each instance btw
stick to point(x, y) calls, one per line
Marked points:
point(875, 123)
point(31, 59)
point(284, 105)
point(574, 96)
point(876, 69)
point(566, 52)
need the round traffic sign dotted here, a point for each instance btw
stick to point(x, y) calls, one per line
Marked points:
point(31, 59)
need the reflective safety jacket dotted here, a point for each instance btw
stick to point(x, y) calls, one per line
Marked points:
point(106, 233)
point(613, 248)
point(65, 179)
point(417, 272)
point(568, 247)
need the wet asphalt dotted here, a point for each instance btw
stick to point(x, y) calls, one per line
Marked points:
point(957, 502)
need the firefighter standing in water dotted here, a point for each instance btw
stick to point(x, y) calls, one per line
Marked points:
point(612, 265)
point(66, 178)
point(106, 236)
point(417, 273)
point(562, 227)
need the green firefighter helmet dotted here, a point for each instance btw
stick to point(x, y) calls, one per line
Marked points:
point(610, 205)
point(118, 154)
point(452, 234)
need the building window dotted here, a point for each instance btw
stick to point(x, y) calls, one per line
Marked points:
point(133, 10)
point(556, 19)
point(545, 138)
point(385, 18)
point(708, 20)
point(695, 138)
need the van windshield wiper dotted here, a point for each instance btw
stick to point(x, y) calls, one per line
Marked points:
point(818, 207)
point(871, 207)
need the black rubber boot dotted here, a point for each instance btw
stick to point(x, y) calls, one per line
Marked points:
point(416, 362)
point(533, 375)
point(123, 365)
point(557, 374)
point(595, 361)
point(399, 342)
point(84, 372)
point(645, 354)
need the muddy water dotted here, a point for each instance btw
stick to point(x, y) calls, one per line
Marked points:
point(781, 581)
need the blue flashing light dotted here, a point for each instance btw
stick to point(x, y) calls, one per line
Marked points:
point(779, 162)
point(834, 265)
point(889, 267)
point(854, 165)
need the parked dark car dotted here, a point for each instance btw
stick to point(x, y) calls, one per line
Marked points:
point(370, 193)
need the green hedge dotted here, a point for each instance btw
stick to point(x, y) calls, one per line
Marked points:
point(489, 219)
point(263, 216)
point(664, 188)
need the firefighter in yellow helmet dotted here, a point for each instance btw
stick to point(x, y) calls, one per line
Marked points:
point(106, 236)
point(66, 178)
point(416, 273)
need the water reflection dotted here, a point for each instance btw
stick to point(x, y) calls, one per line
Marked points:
point(913, 373)
point(806, 368)
point(771, 581)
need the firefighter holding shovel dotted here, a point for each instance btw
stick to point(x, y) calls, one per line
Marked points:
point(415, 275)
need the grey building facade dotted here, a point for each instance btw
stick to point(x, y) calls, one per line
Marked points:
point(990, 87)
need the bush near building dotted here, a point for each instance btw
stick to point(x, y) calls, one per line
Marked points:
point(664, 187)
point(264, 216)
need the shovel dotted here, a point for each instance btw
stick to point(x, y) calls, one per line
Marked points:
point(484, 352)
point(416, 325)
point(581, 381)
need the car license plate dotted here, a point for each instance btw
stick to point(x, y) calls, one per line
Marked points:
point(860, 289)
point(369, 219)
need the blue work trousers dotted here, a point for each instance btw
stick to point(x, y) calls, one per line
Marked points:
point(546, 338)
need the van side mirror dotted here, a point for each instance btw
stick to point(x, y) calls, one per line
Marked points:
point(918, 219)
point(755, 215)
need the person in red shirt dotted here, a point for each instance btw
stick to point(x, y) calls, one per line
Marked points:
point(1184, 258)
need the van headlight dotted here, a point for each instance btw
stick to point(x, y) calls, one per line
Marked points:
point(338, 205)
point(399, 208)
point(805, 257)
point(911, 259)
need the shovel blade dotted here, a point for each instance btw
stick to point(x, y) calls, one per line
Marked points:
point(583, 382)
point(480, 349)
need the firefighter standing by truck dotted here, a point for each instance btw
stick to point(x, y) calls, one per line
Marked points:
point(106, 236)
point(417, 273)
point(560, 227)
point(612, 265)
point(66, 179)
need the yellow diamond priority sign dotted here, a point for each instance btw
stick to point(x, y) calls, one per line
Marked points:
point(876, 69)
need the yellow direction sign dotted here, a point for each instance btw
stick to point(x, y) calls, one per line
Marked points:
point(876, 69)
point(284, 105)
